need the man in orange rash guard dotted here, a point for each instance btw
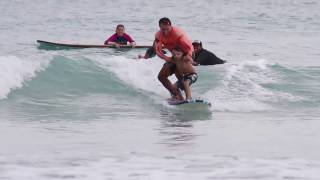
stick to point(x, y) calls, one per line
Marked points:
point(170, 37)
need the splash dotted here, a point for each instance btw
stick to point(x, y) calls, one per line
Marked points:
point(14, 72)
point(140, 74)
point(244, 88)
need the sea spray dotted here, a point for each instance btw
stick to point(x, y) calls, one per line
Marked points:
point(15, 71)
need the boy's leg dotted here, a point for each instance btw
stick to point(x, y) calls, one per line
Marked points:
point(187, 89)
point(187, 81)
point(179, 96)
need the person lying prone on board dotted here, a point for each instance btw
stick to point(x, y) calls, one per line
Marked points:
point(120, 38)
point(204, 57)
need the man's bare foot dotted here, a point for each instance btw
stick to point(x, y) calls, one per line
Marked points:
point(175, 98)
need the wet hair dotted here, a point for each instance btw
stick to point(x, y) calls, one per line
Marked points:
point(177, 48)
point(120, 25)
point(165, 21)
point(199, 44)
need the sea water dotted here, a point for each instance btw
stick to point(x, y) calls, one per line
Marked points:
point(102, 114)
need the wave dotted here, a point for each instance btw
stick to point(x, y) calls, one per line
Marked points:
point(15, 71)
point(252, 86)
point(246, 86)
point(139, 74)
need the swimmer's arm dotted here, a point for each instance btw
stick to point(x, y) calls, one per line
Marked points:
point(111, 40)
point(113, 44)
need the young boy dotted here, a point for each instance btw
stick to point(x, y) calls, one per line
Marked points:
point(120, 37)
point(186, 70)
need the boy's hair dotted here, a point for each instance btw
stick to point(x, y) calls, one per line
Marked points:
point(177, 48)
point(120, 25)
point(165, 21)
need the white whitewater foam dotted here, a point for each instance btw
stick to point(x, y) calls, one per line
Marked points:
point(14, 71)
point(241, 89)
point(139, 73)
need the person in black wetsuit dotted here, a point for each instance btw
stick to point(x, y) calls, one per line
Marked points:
point(203, 56)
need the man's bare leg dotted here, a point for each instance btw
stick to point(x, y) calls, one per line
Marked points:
point(163, 78)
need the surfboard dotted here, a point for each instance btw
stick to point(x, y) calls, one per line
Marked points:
point(196, 103)
point(57, 45)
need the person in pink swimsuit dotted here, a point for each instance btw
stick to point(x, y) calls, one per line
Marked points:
point(120, 38)
point(170, 37)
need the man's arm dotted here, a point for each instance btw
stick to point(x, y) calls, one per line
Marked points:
point(158, 49)
point(185, 45)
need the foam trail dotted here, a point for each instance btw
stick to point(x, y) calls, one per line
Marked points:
point(140, 74)
point(15, 71)
point(242, 90)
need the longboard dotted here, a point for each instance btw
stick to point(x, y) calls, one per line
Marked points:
point(57, 45)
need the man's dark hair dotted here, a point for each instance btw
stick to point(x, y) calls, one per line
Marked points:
point(165, 21)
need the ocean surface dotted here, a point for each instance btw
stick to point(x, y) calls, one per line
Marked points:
point(102, 113)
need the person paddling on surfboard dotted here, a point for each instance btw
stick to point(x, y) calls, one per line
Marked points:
point(186, 71)
point(169, 37)
point(120, 38)
point(204, 57)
